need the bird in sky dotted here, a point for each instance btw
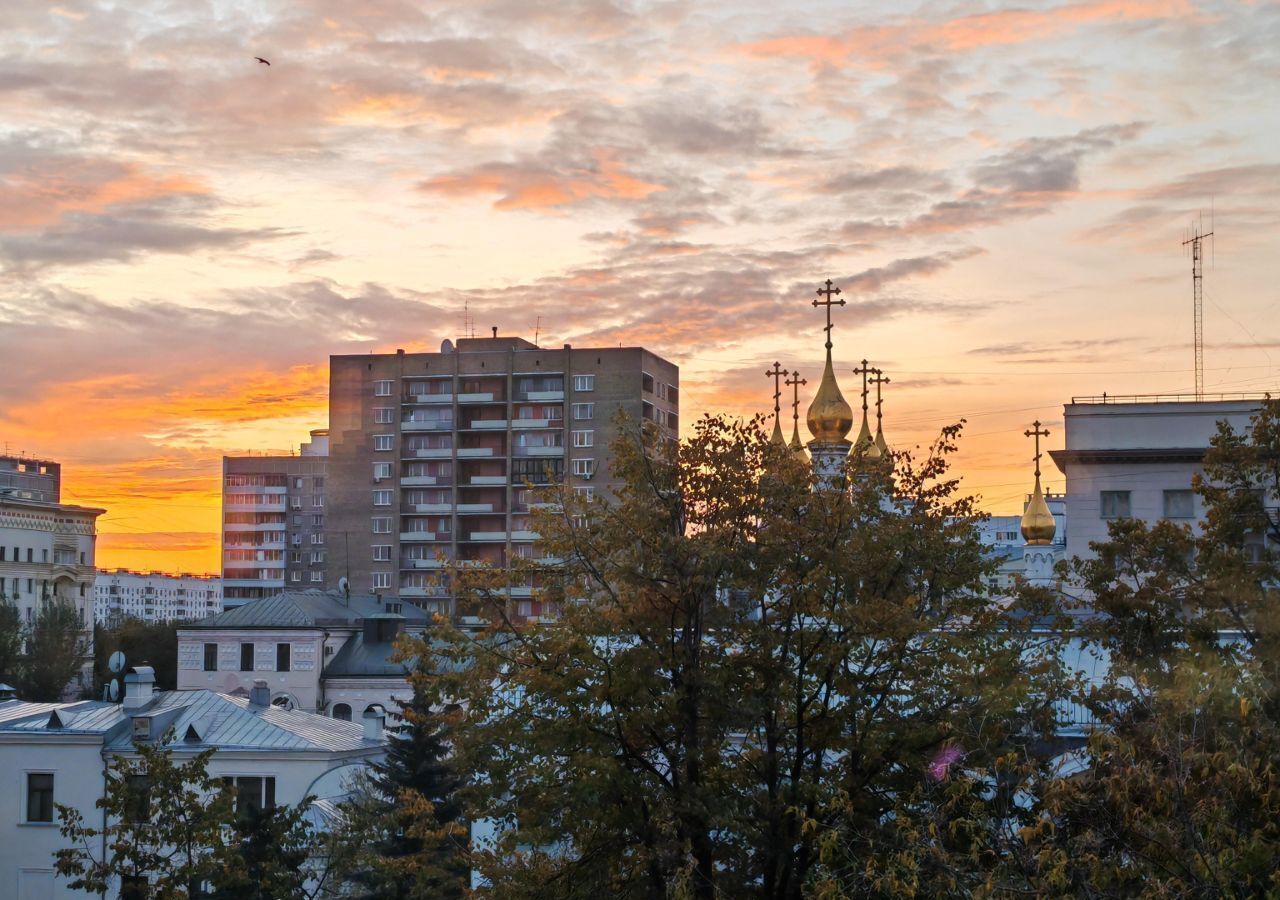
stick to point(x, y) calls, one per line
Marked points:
point(261, 60)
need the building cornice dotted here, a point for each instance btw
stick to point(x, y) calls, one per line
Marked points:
point(1063, 458)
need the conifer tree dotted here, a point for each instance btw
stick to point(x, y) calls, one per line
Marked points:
point(56, 650)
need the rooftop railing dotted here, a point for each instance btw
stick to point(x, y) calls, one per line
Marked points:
point(1171, 398)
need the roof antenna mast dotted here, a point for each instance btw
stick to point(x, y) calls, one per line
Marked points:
point(1197, 292)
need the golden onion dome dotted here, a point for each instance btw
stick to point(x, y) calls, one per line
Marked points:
point(776, 438)
point(797, 447)
point(829, 417)
point(881, 443)
point(865, 445)
point(1038, 525)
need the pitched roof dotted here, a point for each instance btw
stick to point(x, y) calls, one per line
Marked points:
point(308, 609)
point(194, 720)
point(357, 658)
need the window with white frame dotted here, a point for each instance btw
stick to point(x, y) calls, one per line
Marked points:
point(381, 552)
point(381, 580)
point(584, 438)
point(295, 576)
point(584, 382)
point(381, 470)
point(1115, 504)
point(381, 498)
point(317, 577)
point(384, 441)
point(583, 412)
point(584, 468)
point(1180, 504)
point(382, 389)
point(317, 501)
point(381, 524)
point(586, 493)
point(317, 557)
point(383, 415)
point(317, 537)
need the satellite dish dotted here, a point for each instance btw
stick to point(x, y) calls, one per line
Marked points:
point(344, 585)
point(446, 346)
point(116, 663)
point(113, 690)
point(106, 693)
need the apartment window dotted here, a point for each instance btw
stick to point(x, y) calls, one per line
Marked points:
point(211, 657)
point(584, 468)
point(381, 552)
point(297, 518)
point(317, 557)
point(381, 471)
point(381, 498)
point(297, 484)
point(317, 577)
point(382, 389)
point(383, 415)
point(39, 796)
point(1115, 505)
point(584, 438)
point(30, 555)
point(1179, 504)
point(295, 503)
point(317, 537)
point(253, 793)
point(384, 441)
point(295, 556)
point(583, 412)
point(317, 520)
point(381, 524)
point(662, 390)
point(138, 807)
point(295, 576)
point(282, 657)
point(586, 493)
point(584, 382)
point(317, 501)
point(381, 580)
point(246, 657)
point(646, 382)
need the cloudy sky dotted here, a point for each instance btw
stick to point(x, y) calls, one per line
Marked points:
point(1000, 190)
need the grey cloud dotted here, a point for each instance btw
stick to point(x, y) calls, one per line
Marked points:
point(891, 178)
point(1050, 165)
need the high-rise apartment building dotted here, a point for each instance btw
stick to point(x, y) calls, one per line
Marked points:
point(431, 454)
point(273, 522)
point(121, 594)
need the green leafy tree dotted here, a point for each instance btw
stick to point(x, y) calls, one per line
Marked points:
point(143, 643)
point(749, 683)
point(10, 639)
point(173, 832)
point(1181, 796)
point(56, 650)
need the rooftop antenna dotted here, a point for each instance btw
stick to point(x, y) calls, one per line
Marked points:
point(1197, 291)
point(468, 322)
point(537, 328)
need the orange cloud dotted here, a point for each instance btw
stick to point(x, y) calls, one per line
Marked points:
point(874, 47)
point(541, 188)
point(41, 194)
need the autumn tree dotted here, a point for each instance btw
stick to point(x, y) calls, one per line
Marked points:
point(1180, 793)
point(747, 678)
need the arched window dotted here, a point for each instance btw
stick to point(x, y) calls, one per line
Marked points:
point(342, 711)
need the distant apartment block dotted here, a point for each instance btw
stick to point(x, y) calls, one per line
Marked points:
point(46, 546)
point(431, 454)
point(120, 594)
point(273, 522)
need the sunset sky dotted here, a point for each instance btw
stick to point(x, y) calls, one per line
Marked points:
point(1000, 190)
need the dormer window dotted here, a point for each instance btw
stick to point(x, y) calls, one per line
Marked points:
point(141, 728)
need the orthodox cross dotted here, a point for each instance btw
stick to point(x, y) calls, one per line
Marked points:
point(827, 293)
point(795, 382)
point(1037, 433)
point(878, 380)
point(777, 373)
point(864, 370)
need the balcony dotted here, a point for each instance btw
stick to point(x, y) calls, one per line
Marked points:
point(485, 397)
point(426, 481)
point(432, 508)
point(432, 563)
point(475, 452)
point(523, 424)
point(426, 425)
point(474, 508)
point(428, 398)
point(252, 582)
point(485, 425)
point(536, 396)
point(524, 535)
point(424, 592)
point(488, 536)
point(429, 453)
point(538, 451)
point(476, 480)
point(264, 526)
point(421, 536)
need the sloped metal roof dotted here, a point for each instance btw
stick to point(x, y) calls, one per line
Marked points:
point(308, 609)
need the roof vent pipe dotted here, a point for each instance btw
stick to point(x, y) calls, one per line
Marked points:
point(373, 720)
point(139, 686)
point(261, 694)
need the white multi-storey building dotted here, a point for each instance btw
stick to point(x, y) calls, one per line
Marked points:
point(1135, 457)
point(57, 754)
point(120, 594)
point(46, 546)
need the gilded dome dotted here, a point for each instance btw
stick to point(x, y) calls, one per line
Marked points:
point(1038, 526)
point(865, 445)
point(829, 417)
point(777, 438)
point(881, 442)
point(797, 447)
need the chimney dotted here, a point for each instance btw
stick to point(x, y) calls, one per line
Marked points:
point(261, 694)
point(373, 719)
point(8, 692)
point(495, 330)
point(139, 686)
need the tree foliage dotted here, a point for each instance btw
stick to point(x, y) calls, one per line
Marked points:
point(10, 639)
point(55, 651)
point(748, 686)
point(1181, 797)
point(143, 643)
point(174, 833)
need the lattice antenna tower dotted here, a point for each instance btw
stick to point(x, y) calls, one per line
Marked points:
point(1198, 234)
point(468, 321)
